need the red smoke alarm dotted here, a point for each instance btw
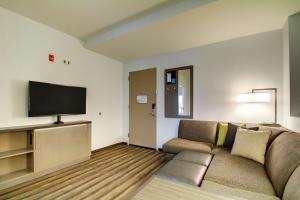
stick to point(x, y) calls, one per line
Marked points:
point(51, 58)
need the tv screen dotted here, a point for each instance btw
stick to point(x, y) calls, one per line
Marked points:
point(50, 99)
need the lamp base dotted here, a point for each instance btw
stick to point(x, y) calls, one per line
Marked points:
point(270, 124)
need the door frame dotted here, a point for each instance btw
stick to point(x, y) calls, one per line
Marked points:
point(128, 104)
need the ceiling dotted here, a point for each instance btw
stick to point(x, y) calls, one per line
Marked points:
point(214, 21)
point(79, 18)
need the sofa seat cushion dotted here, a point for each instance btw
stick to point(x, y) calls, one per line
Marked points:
point(194, 157)
point(231, 192)
point(177, 145)
point(182, 171)
point(238, 172)
point(292, 191)
point(217, 150)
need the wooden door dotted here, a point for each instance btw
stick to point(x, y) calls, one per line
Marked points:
point(142, 108)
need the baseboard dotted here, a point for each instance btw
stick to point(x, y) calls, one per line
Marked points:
point(96, 150)
point(142, 147)
point(123, 143)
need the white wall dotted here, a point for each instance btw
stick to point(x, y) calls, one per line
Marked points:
point(290, 122)
point(221, 71)
point(24, 49)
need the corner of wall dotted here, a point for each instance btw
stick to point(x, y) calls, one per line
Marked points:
point(288, 121)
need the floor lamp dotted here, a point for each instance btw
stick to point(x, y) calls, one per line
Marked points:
point(260, 96)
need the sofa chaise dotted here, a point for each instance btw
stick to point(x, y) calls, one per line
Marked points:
point(199, 161)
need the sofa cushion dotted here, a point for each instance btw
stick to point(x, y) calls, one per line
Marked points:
point(292, 191)
point(238, 172)
point(275, 132)
point(194, 157)
point(177, 145)
point(282, 159)
point(234, 192)
point(182, 171)
point(251, 144)
point(230, 136)
point(232, 129)
point(201, 131)
point(222, 132)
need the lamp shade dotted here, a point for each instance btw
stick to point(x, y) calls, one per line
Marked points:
point(259, 97)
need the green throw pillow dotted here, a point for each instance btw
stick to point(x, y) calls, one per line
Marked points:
point(223, 128)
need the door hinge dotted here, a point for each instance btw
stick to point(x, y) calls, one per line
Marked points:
point(128, 135)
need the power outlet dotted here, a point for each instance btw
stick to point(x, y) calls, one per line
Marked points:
point(66, 62)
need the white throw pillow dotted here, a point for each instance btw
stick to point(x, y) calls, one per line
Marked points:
point(251, 144)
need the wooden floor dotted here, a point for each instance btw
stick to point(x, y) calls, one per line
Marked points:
point(112, 173)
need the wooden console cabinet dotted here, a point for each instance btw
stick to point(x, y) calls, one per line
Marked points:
point(29, 152)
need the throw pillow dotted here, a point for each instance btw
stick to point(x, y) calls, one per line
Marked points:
point(229, 140)
point(230, 136)
point(251, 144)
point(223, 128)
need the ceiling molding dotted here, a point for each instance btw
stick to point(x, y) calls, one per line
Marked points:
point(169, 9)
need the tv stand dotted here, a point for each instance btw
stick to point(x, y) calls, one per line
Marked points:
point(58, 121)
point(28, 152)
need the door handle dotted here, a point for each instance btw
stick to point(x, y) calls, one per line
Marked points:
point(152, 114)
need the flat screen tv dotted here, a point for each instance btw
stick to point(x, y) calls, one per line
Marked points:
point(49, 99)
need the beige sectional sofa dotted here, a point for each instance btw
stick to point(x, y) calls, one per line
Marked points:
point(235, 176)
